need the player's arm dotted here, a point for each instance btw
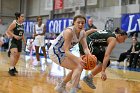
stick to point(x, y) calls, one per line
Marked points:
point(23, 38)
point(83, 42)
point(111, 44)
point(35, 34)
point(10, 31)
point(67, 43)
point(90, 31)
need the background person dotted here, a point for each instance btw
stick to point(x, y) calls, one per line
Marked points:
point(135, 51)
point(1, 40)
point(90, 27)
point(39, 41)
point(16, 31)
point(126, 54)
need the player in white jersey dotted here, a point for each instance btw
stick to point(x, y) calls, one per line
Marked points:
point(39, 34)
point(59, 53)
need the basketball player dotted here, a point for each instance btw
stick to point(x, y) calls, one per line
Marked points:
point(59, 53)
point(16, 31)
point(39, 34)
point(101, 44)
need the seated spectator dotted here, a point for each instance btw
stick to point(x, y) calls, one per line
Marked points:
point(123, 56)
point(126, 53)
point(134, 55)
point(90, 27)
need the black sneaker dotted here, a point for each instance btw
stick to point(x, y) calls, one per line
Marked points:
point(15, 70)
point(11, 72)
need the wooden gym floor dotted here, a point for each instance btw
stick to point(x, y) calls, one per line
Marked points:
point(43, 79)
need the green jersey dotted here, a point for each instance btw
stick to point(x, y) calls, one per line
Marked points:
point(99, 38)
point(97, 41)
point(18, 30)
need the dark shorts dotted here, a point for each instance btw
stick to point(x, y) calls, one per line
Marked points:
point(98, 51)
point(16, 45)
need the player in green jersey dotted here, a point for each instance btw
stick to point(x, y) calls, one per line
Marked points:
point(16, 31)
point(101, 43)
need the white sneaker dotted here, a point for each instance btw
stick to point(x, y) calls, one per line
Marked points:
point(116, 63)
point(60, 89)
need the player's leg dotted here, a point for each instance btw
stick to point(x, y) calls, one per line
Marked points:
point(37, 55)
point(13, 59)
point(74, 75)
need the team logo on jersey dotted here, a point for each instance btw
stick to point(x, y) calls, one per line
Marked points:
point(20, 33)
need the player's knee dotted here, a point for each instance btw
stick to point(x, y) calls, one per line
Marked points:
point(14, 54)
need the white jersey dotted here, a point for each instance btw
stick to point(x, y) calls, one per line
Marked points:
point(57, 45)
point(39, 39)
point(38, 29)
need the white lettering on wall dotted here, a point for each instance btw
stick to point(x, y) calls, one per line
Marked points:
point(130, 29)
point(57, 26)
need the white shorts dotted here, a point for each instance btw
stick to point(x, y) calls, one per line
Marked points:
point(56, 56)
point(39, 41)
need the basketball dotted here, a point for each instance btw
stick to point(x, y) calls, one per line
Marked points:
point(90, 60)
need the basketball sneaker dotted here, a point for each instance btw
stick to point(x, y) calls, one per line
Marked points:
point(15, 70)
point(11, 72)
point(89, 82)
point(60, 88)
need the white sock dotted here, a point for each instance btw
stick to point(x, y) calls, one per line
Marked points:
point(38, 62)
point(90, 75)
point(11, 67)
point(45, 59)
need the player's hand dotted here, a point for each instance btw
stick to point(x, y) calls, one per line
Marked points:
point(82, 63)
point(17, 37)
point(103, 76)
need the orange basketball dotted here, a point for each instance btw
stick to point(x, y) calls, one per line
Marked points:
point(90, 60)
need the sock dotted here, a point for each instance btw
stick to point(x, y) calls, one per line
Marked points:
point(11, 67)
point(90, 75)
point(45, 59)
point(38, 62)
